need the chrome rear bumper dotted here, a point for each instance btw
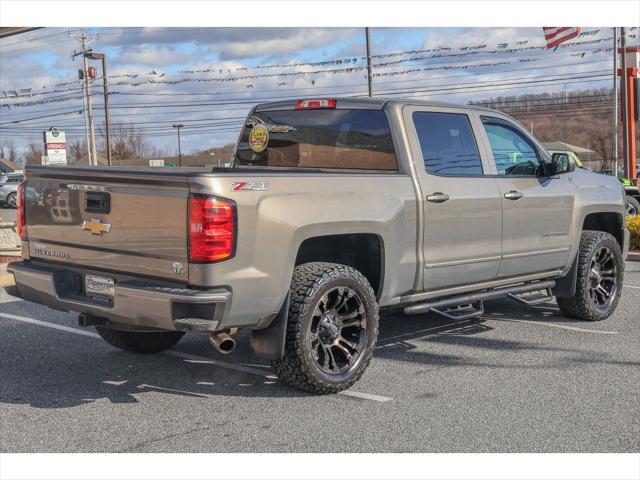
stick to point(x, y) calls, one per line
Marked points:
point(137, 303)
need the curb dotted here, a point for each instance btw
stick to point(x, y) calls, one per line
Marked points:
point(633, 257)
point(6, 278)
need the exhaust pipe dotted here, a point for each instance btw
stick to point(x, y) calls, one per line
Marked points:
point(223, 342)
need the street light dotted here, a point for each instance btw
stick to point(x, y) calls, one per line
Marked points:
point(103, 57)
point(179, 126)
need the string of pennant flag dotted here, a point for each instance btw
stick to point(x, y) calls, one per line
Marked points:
point(506, 48)
point(154, 77)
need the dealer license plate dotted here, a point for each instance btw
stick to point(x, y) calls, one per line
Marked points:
point(99, 287)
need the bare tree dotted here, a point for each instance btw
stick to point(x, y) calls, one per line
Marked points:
point(78, 153)
point(8, 150)
point(127, 143)
point(34, 155)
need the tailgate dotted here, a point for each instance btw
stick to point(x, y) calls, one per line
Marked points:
point(124, 220)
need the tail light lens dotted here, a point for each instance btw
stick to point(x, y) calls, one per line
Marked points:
point(21, 220)
point(212, 228)
point(314, 104)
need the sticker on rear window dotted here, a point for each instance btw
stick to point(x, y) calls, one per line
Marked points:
point(258, 138)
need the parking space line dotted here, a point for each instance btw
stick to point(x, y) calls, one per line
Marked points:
point(413, 334)
point(54, 326)
point(632, 286)
point(552, 325)
point(187, 356)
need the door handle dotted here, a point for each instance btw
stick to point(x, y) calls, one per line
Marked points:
point(437, 197)
point(513, 195)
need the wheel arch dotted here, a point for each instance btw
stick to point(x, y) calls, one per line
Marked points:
point(609, 222)
point(362, 251)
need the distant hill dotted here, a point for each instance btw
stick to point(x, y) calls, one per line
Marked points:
point(583, 118)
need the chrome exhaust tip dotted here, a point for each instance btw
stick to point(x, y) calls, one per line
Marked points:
point(222, 342)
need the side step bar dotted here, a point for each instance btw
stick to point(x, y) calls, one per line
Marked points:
point(445, 304)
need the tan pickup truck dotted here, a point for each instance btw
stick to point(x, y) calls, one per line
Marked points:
point(331, 210)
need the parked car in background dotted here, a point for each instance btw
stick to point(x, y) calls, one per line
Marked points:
point(632, 192)
point(8, 187)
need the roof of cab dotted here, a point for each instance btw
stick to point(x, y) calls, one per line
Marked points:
point(376, 103)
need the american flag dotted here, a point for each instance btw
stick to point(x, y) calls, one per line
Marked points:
point(556, 35)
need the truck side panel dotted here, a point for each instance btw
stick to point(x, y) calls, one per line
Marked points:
point(273, 224)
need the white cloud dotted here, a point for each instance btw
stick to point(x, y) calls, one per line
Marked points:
point(152, 55)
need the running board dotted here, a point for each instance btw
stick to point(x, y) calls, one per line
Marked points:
point(445, 304)
point(530, 300)
point(462, 312)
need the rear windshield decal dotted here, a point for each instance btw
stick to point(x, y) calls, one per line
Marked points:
point(258, 138)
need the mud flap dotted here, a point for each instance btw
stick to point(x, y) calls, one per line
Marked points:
point(566, 286)
point(269, 342)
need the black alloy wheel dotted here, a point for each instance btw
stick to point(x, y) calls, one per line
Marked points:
point(603, 284)
point(338, 330)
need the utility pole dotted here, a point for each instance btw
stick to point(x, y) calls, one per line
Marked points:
point(85, 41)
point(614, 155)
point(103, 57)
point(368, 38)
point(179, 126)
point(625, 93)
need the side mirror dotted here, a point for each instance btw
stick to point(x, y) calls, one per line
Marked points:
point(561, 163)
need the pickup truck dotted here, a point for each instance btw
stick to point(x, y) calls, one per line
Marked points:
point(331, 210)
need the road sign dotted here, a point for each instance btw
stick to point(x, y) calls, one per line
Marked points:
point(156, 163)
point(55, 146)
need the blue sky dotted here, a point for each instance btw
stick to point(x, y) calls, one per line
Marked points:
point(34, 65)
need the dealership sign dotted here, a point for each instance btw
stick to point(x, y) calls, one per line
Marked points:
point(55, 147)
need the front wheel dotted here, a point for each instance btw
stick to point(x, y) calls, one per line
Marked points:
point(599, 278)
point(332, 328)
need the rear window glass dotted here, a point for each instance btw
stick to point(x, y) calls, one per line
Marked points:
point(447, 143)
point(334, 139)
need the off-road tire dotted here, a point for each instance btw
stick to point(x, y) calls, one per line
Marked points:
point(310, 282)
point(10, 201)
point(634, 202)
point(580, 306)
point(139, 342)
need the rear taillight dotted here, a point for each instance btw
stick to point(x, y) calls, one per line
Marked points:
point(212, 228)
point(318, 103)
point(21, 220)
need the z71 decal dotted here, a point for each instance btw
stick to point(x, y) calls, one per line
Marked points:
point(250, 186)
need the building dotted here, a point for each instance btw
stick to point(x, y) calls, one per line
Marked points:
point(7, 166)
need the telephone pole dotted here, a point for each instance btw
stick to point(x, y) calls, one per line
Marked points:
point(368, 38)
point(179, 126)
point(625, 93)
point(105, 88)
point(615, 100)
point(85, 41)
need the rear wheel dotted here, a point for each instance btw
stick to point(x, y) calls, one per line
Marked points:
point(633, 205)
point(599, 278)
point(139, 342)
point(331, 330)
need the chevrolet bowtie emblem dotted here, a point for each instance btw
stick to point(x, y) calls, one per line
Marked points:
point(96, 227)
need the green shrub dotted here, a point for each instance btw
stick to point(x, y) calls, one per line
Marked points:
point(633, 224)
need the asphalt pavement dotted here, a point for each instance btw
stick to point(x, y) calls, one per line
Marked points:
point(8, 214)
point(517, 380)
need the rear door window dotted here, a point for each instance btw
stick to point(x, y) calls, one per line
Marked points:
point(324, 138)
point(447, 143)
